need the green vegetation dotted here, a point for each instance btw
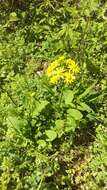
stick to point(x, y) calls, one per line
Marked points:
point(53, 135)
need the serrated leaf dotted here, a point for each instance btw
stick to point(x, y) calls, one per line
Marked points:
point(76, 114)
point(52, 135)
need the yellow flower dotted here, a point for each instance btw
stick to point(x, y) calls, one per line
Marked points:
point(54, 79)
point(51, 68)
point(59, 72)
point(61, 58)
point(69, 78)
point(72, 65)
point(54, 64)
point(62, 69)
point(74, 68)
point(70, 62)
point(49, 71)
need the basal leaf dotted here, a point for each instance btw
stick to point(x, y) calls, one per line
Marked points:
point(76, 114)
point(59, 127)
point(71, 124)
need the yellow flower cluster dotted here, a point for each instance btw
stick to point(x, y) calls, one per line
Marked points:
point(62, 69)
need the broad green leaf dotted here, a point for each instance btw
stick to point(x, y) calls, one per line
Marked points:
point(52, 135)
point(68, 96)
point(13, 17)
point(39, 107)
point(59, 123)
point(16, 123)
point(59, 127)
point(13, 122)
point(42, 105)
point(41, 143)
point(77, 115)
point(71, 124)
point(104, 84)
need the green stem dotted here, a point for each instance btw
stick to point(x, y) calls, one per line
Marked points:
point(4, 90)
point(39, 186)
point(61, 96)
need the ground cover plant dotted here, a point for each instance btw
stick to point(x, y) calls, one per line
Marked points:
point(53, 95)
